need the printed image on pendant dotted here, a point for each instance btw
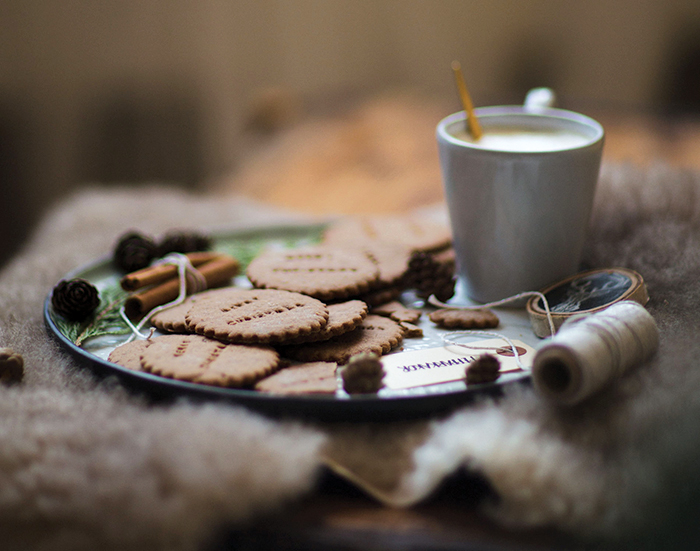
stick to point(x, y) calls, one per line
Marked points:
point(587, 292)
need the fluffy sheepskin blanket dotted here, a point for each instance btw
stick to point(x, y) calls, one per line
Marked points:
point(84, 465)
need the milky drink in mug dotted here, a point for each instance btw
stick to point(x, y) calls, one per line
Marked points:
point(519, 198)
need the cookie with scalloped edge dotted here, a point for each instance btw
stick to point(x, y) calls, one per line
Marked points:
point(198, 359)
point(257, 316)
point(342, 317)
point(417, 233)
point(456, 318)
point(129, 354)
point(172, 320)
point(375, 334)
point(390, 259)
point(307, 378)
point(326, 273)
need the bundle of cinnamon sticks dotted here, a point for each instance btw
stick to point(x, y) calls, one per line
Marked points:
point(160, 284)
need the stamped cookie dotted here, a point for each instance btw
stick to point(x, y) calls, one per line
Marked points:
point(342, 317)
point(454, 318)
point(375, 334)
point(129, 354)
point(391, 261)
point(326, 273)
point(416, 233)
point(308, 378)
point(198, 359)
point(172, 320)
point(253, 316)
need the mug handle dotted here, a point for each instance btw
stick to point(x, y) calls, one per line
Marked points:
point(540, 98)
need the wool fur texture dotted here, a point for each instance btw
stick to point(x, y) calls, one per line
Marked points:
point(84, 464)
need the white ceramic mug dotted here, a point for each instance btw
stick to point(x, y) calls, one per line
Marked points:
point(519, 216)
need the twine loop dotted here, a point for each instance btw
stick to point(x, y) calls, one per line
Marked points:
point(447, 339)
point(191, 281)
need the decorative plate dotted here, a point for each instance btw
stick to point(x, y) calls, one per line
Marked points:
point(399, 402)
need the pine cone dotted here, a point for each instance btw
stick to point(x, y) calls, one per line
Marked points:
point(432, 274)
point(134, 251)
point(11, 366)
point(363, 374)
point(183, 242)
point(485, 369)
point(75, 300)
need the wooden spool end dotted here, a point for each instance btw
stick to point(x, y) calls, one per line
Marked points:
point(584, 293)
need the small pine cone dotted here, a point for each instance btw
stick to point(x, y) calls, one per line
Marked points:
point(363, 374)
point(432, 274)
point(75, 300)
point(134, 251)
point(485, 369)
point(11, 366)
point(443, 290)
point(183, 242)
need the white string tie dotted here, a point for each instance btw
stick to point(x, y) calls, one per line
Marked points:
point(447, 339)
point(191, 281)
point(432, 299)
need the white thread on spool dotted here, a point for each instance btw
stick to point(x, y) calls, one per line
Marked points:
point(591, 351)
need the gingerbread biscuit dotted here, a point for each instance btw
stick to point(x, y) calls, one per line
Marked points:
point(308, 378)
point(375, 334)
point(172, 320)
point(129, 354)
point(411, 231)
point(342, 317)
point(382, 295)
point(198, 359)
point(455, 318)
point(326, 273)
point(391, 261)
point(257, 316)
point(411, 331)
point(398, 312)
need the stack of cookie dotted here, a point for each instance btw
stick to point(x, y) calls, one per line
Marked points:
point(309, 305)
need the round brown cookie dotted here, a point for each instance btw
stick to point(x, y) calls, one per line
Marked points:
point(454, 318)
point(416, 233)
point(381, 296)
point(308, 378)
point(257, 316)
point(391, 261)
point(172, 320)
point(201, 360)
point(326, 273)
point(375, 334)
point(129, 354)
point(342, 317)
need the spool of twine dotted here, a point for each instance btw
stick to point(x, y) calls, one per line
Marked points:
point(592, 351)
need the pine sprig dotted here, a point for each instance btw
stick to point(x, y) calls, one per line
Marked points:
point(105, 321)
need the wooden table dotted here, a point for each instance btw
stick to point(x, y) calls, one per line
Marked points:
point(338, 516)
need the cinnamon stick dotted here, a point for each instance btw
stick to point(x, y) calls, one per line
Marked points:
point(216, 272)
point(153, 275)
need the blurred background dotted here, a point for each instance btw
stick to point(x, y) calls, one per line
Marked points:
point(209, 94)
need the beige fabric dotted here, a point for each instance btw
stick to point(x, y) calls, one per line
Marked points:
point(83, 465)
